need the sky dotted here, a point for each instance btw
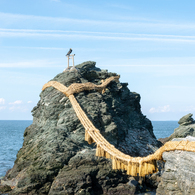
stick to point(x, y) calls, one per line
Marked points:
point(151, 44)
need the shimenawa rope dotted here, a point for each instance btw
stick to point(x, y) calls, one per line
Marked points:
point(133, 165)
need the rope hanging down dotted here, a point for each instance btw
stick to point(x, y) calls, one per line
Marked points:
point(133, 165)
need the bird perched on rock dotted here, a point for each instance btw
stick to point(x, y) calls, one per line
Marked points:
point(69, 52)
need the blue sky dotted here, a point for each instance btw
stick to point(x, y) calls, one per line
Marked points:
point(151, 44)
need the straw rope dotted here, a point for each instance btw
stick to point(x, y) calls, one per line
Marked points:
point(79, 87)
point(133, 165)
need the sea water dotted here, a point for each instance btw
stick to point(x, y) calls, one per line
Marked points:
point(11, 139)
point(164, 129)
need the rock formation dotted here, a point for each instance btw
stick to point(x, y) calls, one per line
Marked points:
point(55, 159)
point(186, 120)
point(186, 128)
point(179, 176)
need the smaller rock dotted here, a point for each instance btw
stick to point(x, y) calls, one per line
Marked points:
point(133, 183)
point(186, 120)
point(5, 188)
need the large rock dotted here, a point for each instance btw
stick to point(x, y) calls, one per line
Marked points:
point(55, 159)
point(179, 176)
point(186, 128)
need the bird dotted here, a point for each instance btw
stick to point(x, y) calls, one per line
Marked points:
point(69, 52)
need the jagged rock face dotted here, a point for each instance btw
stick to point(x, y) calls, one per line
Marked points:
point(55, 159)
point(178, 177)
point(186, 120)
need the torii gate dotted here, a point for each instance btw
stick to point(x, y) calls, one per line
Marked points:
point(70, 57)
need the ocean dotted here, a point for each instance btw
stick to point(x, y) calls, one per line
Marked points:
point(164, 129)
point(11, 138)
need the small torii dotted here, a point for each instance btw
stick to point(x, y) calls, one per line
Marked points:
point(69, 57)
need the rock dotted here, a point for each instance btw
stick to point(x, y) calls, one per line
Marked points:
point(5, 188)
point(163, 140)
point(178, 177)
point(189, 138)
point(133, 183)
point(186, 120)
point(55, 158)
point(87, 173)
point(153, 180)
point(121, 189)
point(186, 128)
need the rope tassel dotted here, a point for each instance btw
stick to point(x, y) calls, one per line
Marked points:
point(86, 135)
point(114, 163)
point(98, 151)
point(133, 169)
point(88, 138)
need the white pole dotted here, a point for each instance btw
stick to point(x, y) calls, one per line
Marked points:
point(73, 60)
point(68, 60)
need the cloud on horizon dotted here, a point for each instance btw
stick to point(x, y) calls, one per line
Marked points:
point(18, 108)
point(189, 109)
point(160, 109)
point(16, 102)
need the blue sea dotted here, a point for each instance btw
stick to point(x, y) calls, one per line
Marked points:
point(164, 129)
point(11, 139)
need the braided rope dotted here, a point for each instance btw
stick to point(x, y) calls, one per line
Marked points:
point(133, 165)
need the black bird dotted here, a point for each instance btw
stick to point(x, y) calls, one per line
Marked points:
point(70, 51)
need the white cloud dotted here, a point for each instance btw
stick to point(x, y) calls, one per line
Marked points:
point(2, 101)
point(60, 34)
point(160, 109)
point(34, 63)
point(18, 105)
point(165, 108)
point(131, 23)
point(189, 109)
point(16, 102)
point(2, 107)
point(18, 108)
point(153, 110)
